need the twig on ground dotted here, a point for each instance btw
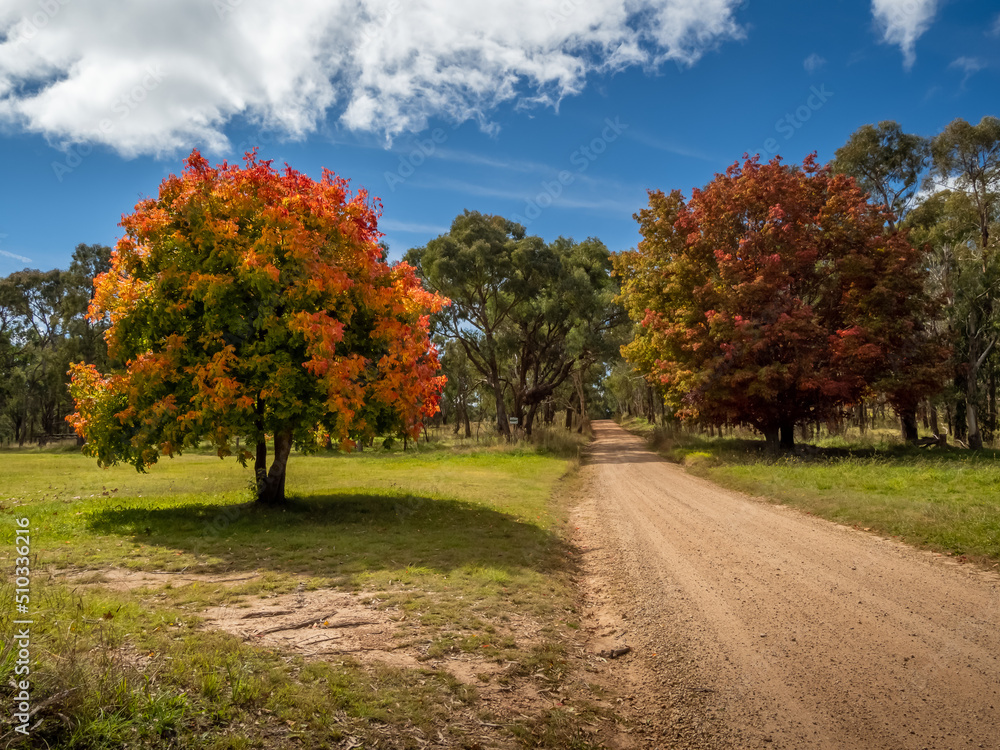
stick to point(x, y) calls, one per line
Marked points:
point(275, 613)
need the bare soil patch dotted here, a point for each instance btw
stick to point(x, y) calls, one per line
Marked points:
point(514, 703)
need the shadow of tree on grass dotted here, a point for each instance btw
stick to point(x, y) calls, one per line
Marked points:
point(340, 535)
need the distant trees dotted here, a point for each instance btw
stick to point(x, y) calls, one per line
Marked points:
point(43, 328)
point(246, 303)
point(959, 222)
point(775, 295)
point(528, 315)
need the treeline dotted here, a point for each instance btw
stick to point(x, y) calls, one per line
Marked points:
point(43, 329)
point(775, 296)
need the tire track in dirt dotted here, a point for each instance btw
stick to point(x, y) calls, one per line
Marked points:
point(802, 633)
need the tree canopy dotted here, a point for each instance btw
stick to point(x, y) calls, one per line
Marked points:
point(887, 163)
point(775, 295)
point(246, 303)
point(526, 313)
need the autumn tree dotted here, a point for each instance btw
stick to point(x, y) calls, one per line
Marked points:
point(247, 303)
point(775, 295)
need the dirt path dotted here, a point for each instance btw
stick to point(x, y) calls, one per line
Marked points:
point(753, 625)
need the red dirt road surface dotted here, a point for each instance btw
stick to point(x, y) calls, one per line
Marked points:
point(787, 630)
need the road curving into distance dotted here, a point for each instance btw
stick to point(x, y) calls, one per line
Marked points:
point(800, 633)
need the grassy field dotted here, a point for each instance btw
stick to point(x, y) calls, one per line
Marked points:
point(458, 541)
point(947, 500)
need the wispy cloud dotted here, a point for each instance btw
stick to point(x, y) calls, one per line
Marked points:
point(511, 165)
point(406, 227)
point(668, 146)
point(565, 200)
point(378, 66)
point(969, 65)
point(473, 188)
point(995, 29)
point(902, 22)
point(813, 63)
point(15, 256)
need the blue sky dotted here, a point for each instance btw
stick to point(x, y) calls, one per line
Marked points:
point(558, 113)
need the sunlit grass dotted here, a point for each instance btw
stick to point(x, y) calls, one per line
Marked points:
point(458, 538)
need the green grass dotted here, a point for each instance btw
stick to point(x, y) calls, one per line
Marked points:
point(458, 539)
point(944, 500)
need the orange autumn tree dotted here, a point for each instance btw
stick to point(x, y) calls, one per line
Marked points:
point(244, 302)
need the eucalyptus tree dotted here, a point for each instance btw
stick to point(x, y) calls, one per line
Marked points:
point(886, 163)
point(526, 313)
point(963, 219)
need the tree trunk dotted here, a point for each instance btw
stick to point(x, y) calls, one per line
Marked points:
point(273, 490)
point(908, 424)
point(975, 439)
point(771, 438)
point(584, 420)
point(260, 466)
point(465, 418)
point(787, 431)
point(503, 425)
point(569, 417)
point(959, 420)
point(935, 428)
point(529, 420)
point(991, 422)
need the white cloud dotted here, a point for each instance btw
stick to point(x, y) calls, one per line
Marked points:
point(902, 22)
point(968, 65)
point(158, 77)
point(813, 63)
point(995, 30)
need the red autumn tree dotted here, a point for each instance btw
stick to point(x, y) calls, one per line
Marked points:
point(245, 302)
point(777, 295)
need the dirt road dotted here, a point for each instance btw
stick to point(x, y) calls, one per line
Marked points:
point(753, 625)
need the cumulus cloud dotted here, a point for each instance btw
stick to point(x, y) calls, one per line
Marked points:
point(902, 22)
point(158, 77)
